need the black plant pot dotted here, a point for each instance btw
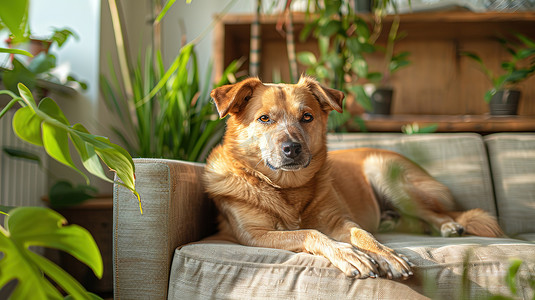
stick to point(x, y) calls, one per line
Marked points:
point(381, 100)
point(504, 102)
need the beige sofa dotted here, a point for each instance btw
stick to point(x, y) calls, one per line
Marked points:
point(159, 254)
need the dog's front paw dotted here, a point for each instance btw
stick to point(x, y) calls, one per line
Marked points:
point(352, 261)
point(451, 229)
point(391, 264)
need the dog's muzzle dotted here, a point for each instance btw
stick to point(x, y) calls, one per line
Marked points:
point(292, 157)
point(291, 149)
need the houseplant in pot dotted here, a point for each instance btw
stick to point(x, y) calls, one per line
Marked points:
point(504, 96)
point(24, 274)
point(379, 88)
point(346, 40)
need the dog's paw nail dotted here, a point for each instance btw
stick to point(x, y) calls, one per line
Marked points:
point(389, 275)
point(355, 273)
point(373, 275)
point(411, 273)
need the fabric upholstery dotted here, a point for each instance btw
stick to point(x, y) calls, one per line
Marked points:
point(512, 158)
point(223, 270)
point(526, 237)
point(148, 265)
point(175, 212)
point(457, 160)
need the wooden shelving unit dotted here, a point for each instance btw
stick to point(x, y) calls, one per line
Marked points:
point(483, 124)
point(440, 86)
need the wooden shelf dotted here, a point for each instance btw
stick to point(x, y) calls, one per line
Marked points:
point(450, 123)
point(439, 86)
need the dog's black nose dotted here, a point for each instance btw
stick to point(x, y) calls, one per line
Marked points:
point(291, 149)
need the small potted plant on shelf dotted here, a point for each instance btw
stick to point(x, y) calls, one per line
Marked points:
point(346, 40)
point(379, 89)
point(41, 67)
point(504, 96)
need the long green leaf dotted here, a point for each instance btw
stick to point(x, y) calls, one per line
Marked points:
point(23, 154)
point(88, 154)
point(16, 51)
point(164, 10)
point(119, 161)
point(47, 126)
point(186, 50)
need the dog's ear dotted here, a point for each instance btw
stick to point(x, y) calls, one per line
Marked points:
point(233, 97)
point(328, 98)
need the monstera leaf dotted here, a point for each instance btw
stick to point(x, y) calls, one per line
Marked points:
point(39, 226)
point(45, 125)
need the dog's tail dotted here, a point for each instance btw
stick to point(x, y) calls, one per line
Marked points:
point(478, 222)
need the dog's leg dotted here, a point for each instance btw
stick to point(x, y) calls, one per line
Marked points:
point(350, 260)
point(425, 200)
point(413, 192)
point(391, 264)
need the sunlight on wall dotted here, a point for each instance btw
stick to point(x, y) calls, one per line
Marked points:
point(83, 17)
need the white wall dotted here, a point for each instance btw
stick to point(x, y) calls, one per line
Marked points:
point(197, 16)
point(83, 17)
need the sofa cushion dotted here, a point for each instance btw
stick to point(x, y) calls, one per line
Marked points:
point(223, 270)
point(458, 160)
point(526, 237)
point(512, 158)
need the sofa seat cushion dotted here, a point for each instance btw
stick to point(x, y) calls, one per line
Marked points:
point(224, 270)
point(530, 237)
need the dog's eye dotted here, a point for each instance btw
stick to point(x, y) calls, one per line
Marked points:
point(264, 119)
point(307, 117)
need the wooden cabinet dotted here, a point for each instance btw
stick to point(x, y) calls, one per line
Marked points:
point(440, 86)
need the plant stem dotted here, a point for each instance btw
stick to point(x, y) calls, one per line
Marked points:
point(390, 48)
point(122, 54)
point(11, 103)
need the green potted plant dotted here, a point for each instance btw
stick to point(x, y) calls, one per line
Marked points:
point(504, 96)
point(29, 275)
point(39, 68)
point(345, 40)
point(166, 112)
point(379, 89)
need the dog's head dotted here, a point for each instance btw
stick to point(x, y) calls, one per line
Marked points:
point(278, 127)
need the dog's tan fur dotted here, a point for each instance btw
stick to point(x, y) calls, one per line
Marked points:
point(276, 186)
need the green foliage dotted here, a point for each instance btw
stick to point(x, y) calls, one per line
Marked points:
point(45, 125)
point(40, 67)
point(18, 153)
point(16, 51)
point(415, 128)
point(169, 115)
point(518, 68)
point(345, 40)
point(64, 194)
point(37, 226)
point(14, 17)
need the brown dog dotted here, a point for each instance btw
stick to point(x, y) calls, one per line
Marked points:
point(275, 185)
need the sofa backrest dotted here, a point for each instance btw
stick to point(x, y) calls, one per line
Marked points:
point(458, 160)
point(512, 159)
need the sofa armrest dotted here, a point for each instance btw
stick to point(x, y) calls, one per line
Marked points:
point(175, 212)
